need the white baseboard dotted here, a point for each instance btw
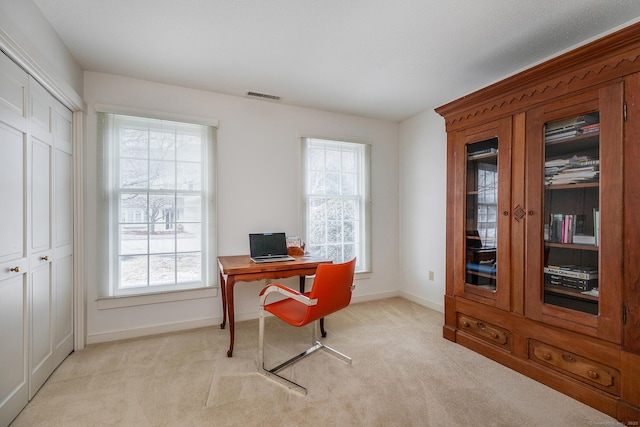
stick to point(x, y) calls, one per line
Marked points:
point(152, 330)
point(423, 302)
point(239, 317)
point(373, 297)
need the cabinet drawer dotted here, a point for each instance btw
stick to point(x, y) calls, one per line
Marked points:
point(484, 330)
point(578, 367)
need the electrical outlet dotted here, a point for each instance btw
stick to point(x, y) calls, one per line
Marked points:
point(431, 275)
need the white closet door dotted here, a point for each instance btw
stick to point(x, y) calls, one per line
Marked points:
point(42, 287)
point(63, 232)
point(36, 237)
point(13, 237)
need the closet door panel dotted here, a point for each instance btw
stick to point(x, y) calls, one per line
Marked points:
point(63, 233)
point(63, 315)
point(41, 360)
point(13, 89)
point(63, 199)
point(12, 188)
point(40, 196)
point(14, 265)
point(13, 369)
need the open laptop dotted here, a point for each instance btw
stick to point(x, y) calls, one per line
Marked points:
point(268, 247)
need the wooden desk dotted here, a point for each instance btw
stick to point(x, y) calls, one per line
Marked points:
point(240, 268)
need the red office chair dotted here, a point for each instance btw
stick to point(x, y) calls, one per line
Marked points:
point(331, 292)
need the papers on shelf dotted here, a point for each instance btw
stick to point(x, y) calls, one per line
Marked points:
point(593, 292)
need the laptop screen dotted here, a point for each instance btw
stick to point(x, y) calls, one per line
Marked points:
point(267, 244)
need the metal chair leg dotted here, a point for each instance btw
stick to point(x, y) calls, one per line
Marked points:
point(273, 372)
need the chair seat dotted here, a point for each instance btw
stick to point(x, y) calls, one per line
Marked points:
point(290, 310)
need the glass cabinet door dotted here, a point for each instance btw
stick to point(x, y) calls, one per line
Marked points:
point(481, 224)
point(483, 177)
point(572, 212)
point(574, 196)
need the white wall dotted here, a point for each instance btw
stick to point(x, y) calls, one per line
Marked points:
point(256, 139)
point(423, 168)
point(24, 28)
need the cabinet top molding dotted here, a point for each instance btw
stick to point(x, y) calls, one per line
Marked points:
point(602, 60)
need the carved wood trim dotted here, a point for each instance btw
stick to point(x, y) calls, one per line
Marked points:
point(605, 59)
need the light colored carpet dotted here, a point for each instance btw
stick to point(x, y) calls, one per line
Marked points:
point(403, 374)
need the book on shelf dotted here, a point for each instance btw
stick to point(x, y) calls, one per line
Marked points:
point(574, 271)
point(574, 170)
point(569, 128)
point(596, 226)
point(584, 239)
point(563, 227)
point(571, 282)
point(572, 123)
point(591, 128)
point(561, 135)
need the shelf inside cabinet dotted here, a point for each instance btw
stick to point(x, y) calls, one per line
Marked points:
point(595, 184)
point(569, 292)
point(492, 157)
point(570, 299)
point(561, 147)
point(571, 246)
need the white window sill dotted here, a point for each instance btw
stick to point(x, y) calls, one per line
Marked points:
point(362, 275)
point(107, 303)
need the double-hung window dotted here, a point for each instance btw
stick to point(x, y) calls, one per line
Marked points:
point(157, 205)
point(487, 177)
point(336, 198)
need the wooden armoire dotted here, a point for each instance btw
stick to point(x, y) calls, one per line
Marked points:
point(543, 235)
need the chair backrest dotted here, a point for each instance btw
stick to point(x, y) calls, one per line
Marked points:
point(332, 288)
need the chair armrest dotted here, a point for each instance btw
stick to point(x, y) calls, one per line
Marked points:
point(281, 289)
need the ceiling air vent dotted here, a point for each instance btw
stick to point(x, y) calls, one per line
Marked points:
point(263, 96)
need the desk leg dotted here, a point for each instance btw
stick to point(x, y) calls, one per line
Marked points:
point(229, 286)
point(223, 289)
point(302, 285)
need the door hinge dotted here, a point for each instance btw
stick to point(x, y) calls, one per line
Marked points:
point(624, 111)
point(624, 314)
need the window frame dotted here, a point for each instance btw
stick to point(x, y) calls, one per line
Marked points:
point(363, 198)
point(487, 209)
point(108, 205)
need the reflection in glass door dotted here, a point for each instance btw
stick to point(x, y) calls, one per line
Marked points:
point(481, 214)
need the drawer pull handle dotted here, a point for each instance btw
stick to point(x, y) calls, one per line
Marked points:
point(568, 358)
point(546, 356)
point(593, 374)
point(495, 335)
point(44, 258)
point(465, 324)
point(15, 269)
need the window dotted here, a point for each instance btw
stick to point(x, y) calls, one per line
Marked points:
point(336, 200)
point(487, 204)
point(157, 179)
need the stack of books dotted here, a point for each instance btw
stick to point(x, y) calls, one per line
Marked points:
point(574, 170)
point(569, 128)
point(572, 276)
point(590, 128)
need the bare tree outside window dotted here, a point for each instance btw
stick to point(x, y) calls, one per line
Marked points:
point(336, 197)
point(159, 193)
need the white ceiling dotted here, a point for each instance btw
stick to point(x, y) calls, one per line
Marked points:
point(386, 59)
